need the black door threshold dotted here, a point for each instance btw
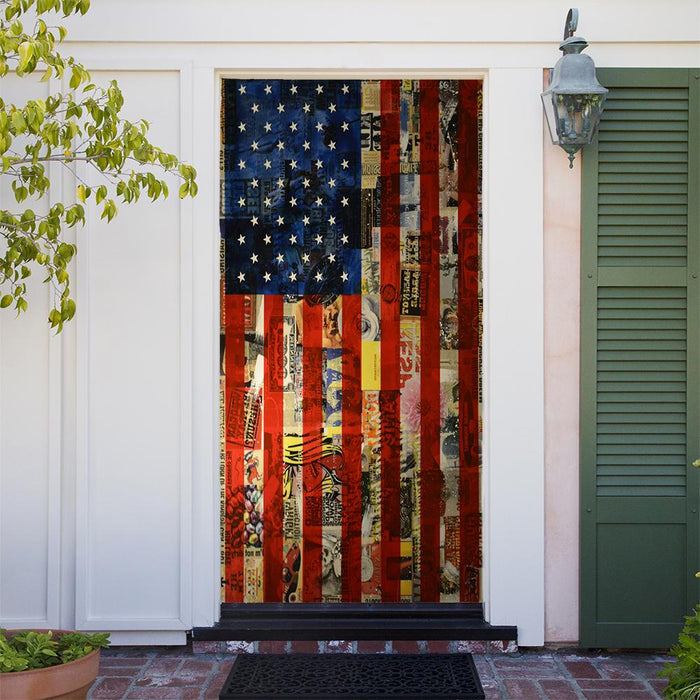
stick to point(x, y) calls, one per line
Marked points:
point(353, 621)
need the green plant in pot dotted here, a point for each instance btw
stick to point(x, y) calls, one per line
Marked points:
point(684, 673)
point(42, 664)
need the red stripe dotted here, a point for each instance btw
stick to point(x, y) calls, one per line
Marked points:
point(235, 388)
point(352, 449)
point(273, 427)
point(312, 396)
point(390, 336)
point(468, 174)
point(430, 341)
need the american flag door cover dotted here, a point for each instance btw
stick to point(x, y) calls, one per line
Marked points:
point(350, 340)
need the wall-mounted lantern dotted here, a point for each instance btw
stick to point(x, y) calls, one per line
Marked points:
point(573, 102)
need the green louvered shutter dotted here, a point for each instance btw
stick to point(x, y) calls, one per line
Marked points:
point(639, 361)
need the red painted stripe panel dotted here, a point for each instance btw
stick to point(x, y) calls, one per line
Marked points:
point(430, 341)
point(235, 426)
point(469, 339)
point(312, 368)
point(352, 449)
point(273, 430)
point(389, 401)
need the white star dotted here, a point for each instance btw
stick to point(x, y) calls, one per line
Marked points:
point(344, 276)
point(293, 202)
point(280, 220)
point(319, 163)
point(319, 126)
point(331, 145)
point(268, 126)
point(242, 89)
point(345, 164)
point(318, 276)
point(255, 108)
point(305, 220)
point(280, 258)
point(280, 145)
point(306, 145)
point(293, 89)
point(319, 201)
point(280, 182)
point(319, 239)
point(305, 257)
point(267, 164)
point(319, 88)
point(254, 183)
point(344, 201)
point(345, 126)
point(241, 164)
point(268, 201)
point(241, 277)
point(293, 165)
point(253, 258)
point(331, 258)
point(293, 276)
point(268, 89)
point(293, 239)
point(344, 239)
point(241, 127)
point(346, 89)
point(266, 277)
point(241, 202)
point(331, 182)
point(307, 108)
point(293, 126)
point(331, 220)
point(280, 108)
point(331, 107)
point(254, 145)
point(241, 239)
point(267, 239)
point(306, 182)
point(254, 221)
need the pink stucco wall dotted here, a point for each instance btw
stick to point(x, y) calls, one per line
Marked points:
point(562, 234)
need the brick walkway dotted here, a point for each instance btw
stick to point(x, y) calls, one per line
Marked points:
point(147, 672)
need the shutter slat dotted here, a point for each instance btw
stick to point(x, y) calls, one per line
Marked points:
point(624, 429)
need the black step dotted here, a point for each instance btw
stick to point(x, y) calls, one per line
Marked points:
point(353, 621)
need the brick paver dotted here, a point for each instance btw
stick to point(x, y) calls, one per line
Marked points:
point(524, 675)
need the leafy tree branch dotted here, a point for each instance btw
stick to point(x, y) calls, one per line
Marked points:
point(82, 124)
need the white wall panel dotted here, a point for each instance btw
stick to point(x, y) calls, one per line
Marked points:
point(29, 482)
point(134, 461)
point(448, 21)
point(30, 419)
point(514, 359)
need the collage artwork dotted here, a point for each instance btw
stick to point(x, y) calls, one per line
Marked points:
point(351, 340)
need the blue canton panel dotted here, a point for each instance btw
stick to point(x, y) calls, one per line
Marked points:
point(291, 187)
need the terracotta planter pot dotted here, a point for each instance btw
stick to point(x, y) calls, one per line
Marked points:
point(69, 681)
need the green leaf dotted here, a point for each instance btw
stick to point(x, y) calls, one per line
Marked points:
point(26, 53)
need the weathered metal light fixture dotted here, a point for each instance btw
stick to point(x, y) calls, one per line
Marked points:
point(573, 102)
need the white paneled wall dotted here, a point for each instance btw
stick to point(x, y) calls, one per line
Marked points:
point(30, 487)
point(134, 397)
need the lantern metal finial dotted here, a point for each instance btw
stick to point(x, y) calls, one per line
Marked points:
point(573, 103)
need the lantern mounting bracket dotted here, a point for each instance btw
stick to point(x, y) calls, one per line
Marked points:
point(571, 23)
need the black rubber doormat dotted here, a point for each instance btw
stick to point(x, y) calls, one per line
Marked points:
point(366, 676)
